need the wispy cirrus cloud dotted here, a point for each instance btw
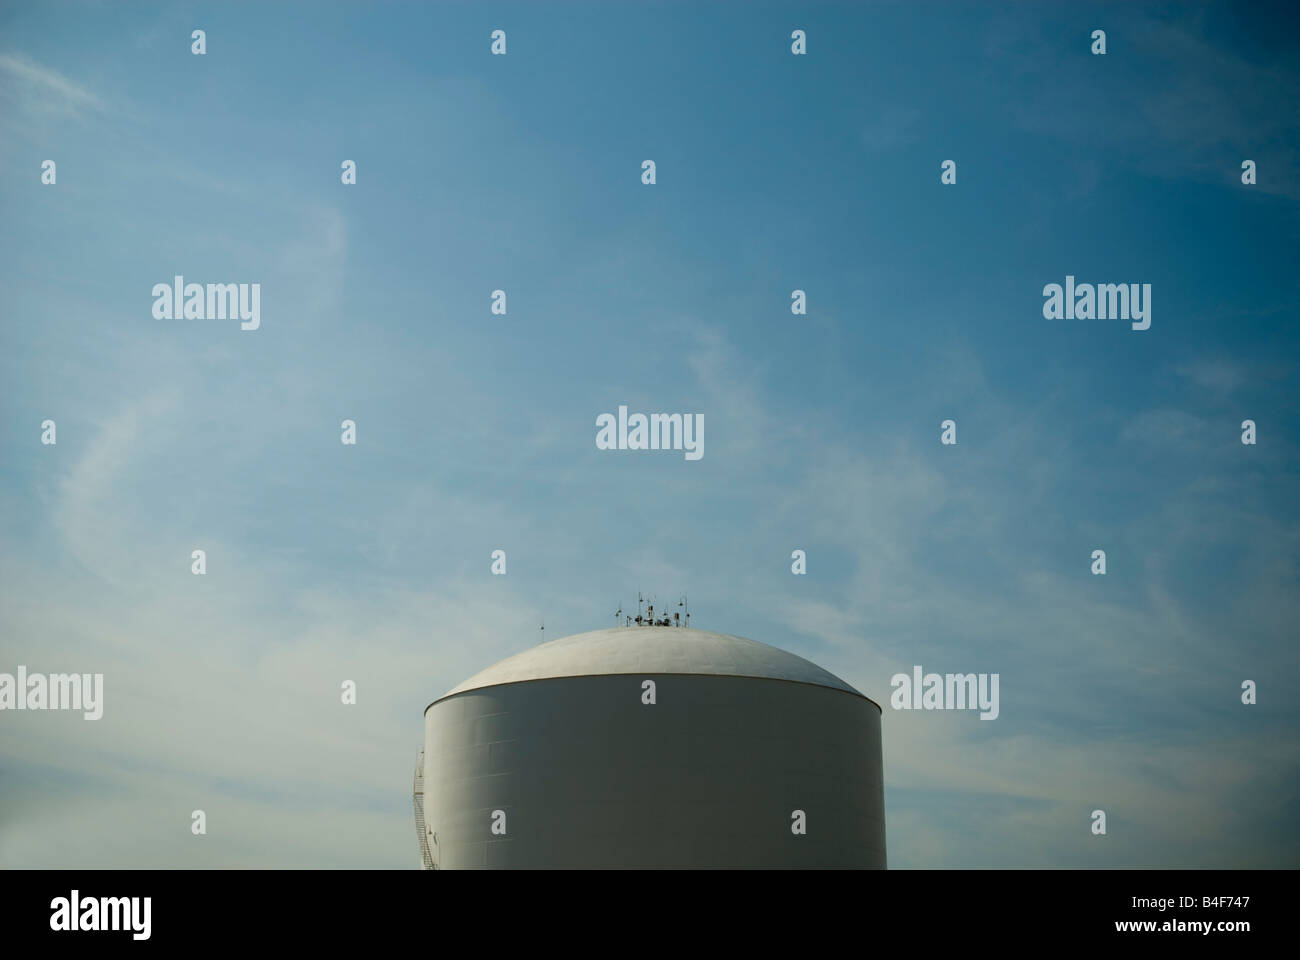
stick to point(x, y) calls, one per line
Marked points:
point(1216, 374)
point(39, 89)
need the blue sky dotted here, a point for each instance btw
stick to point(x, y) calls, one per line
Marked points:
point(476, 432)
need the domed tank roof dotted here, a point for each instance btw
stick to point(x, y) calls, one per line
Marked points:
point(652, 650)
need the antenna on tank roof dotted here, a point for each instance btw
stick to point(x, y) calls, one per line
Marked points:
point(645, 613)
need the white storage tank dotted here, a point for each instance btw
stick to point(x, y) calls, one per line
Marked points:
point(652, 747)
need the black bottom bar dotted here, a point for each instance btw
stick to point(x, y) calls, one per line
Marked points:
point(441, 910)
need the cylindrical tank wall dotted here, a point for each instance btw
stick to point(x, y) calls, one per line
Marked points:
point(586, 774)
